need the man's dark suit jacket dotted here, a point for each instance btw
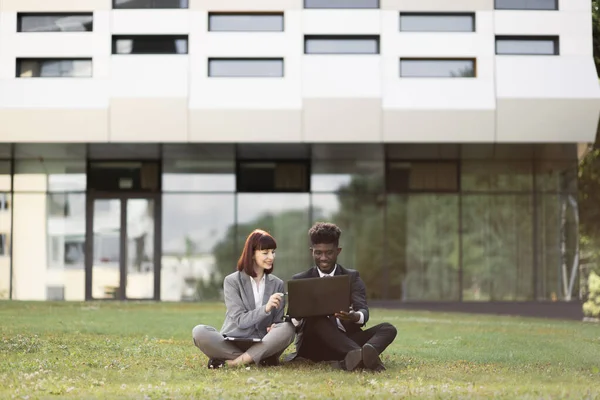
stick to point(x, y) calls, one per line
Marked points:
point(358, 300)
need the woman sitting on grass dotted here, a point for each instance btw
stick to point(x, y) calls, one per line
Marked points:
point(255, 306)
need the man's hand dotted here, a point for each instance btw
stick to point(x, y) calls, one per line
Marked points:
point(270, 327)
point(351, 316)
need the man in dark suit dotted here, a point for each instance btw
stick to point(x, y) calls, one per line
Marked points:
point(339, 337)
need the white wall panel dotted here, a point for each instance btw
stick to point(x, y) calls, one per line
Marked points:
point(248, 44)
point(341, 22)
point(149, 75)
point(574, 5)
point(165, 22)
point(54, 93)
point(546, 77)
point(341, 76)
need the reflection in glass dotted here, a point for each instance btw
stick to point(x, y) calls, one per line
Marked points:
point(252, 22)
point(427, 22)
point(140, 249)
point(422, 247)
point(245, 67)
point(341, 45)
point(556, 176)
point(497, 247)
point(518, 46)
point(361, 219)
point(496, 176)
point(5, 242)
point(150, 44)
point(107, 249)
point(53, 175)
point(56, 23)
point(286, 217)
point(151, 4)
point(415, 68)
point(526, 4)
point(347, 176)
point(341, 3)
point(198, 176)
point(198, 245)
point(54, 68)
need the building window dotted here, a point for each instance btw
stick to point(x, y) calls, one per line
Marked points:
point(526, 5)
point(55, 22)
point(420, 176)
point(150, 44)
point(4, 244)
point(437, 68)
point(245, 22)
point(55, 293)
point(437, 22)
point(527, 45)
point(54, 68)
point(150, 3)
point(341, 3)
point(346, 44)
point(4, 201)
point(245, 67)
point(273, 176)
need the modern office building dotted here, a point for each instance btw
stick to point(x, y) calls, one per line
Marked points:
point(142, 140)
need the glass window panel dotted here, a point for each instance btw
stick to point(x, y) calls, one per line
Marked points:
point(107, 249)
point(418, 151)
point(150, 44)
point(55, 22)
point(254, 22)
point(341, 44)
point(497, 247)
point(526, 4)
point(53, 175)
point(347, 176)
point(5, 176)
point(49, 232)
point(408, 176)
point(198, 244)
point(422, 247)
point(150, 3)
point(556, 176)
point(496, 176)
point(5, 243)
point(238, 67)
point(140, 249)
point(557, 233)
point(341, 3)
point(430, 22)
point(54, 68)
point(286, 217)
point(422, 68)
point(526, 46)
point(361, 219)
point(198, 176)
point(48, 151)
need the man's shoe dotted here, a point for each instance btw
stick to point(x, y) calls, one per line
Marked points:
point(215, 363)
point(370, 358)
point(272, 361)
point(353, 359)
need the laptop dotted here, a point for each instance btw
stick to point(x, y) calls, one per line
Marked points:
point(313, 297)
point(243, 343)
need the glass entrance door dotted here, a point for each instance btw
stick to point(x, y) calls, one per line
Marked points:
point(121, 261)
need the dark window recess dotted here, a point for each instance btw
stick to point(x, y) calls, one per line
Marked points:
point(124, 176)
point(55, 22)
point(150, 44)
point(4, 201)
point(150, 3)
point(4, 244)
point(273, 176)
point(526, 4)
point(54, 68)
point(409, 176)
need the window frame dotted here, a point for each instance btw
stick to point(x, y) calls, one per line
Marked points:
point(114, 7)
point(329, 7)
point(116, 38)
point(555, 39)
point(556, 7)
point(336, 37)
point(472, 15)
point(20, 16)
point(280, 14)
point(238, 59)
point(19, 60)
point(472, 59)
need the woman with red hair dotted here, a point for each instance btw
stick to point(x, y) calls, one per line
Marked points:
point(255, 306)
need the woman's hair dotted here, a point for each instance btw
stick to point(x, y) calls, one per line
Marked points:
point(324, 233)
point(257, 240)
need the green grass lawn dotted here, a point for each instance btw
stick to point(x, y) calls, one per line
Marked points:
point(145, 350)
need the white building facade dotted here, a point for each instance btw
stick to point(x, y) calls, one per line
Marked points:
point(142, 140)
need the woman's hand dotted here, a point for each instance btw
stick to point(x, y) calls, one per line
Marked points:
point(274, 302)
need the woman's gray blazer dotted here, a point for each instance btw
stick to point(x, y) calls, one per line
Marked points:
point(242, 319)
